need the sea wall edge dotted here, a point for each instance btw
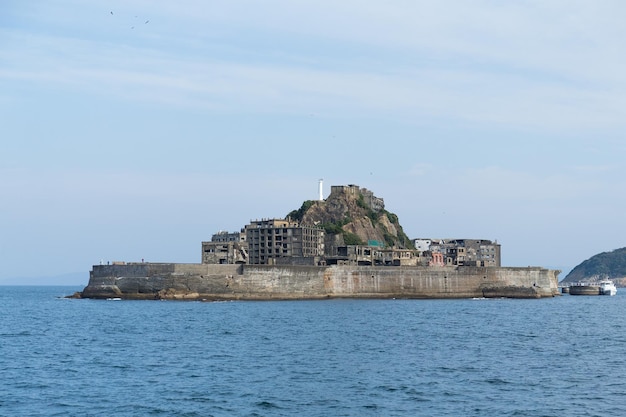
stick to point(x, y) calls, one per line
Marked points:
point(287, 282)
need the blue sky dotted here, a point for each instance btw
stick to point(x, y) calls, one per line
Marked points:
point(136, 129)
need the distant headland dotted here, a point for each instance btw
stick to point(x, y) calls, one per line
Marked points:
point(605, 265)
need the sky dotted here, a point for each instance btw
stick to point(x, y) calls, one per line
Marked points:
point(136, 129)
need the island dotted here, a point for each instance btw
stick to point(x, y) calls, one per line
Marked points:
point(345, 246)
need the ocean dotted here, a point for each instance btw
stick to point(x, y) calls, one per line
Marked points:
point(563, 356)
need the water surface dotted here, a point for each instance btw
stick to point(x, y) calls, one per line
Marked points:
point(549, 357)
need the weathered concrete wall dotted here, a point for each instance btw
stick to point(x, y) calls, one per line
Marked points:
point(443, 282)
point(232, 282)
point(155, 281)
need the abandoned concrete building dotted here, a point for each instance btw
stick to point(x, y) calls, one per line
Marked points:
point(375, 255)
point(474, 252)
point(288, 242)
point(267, 242)
point(373, 202)
point(285, 242)
point(225, 248)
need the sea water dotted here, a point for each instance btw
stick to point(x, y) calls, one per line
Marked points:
point(563, 356)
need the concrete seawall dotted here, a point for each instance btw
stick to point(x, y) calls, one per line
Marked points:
point(264, 282)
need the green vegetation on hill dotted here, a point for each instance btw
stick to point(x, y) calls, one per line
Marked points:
point(352, 218)
point(298, 214)
point(352, 239)
point(606, 264)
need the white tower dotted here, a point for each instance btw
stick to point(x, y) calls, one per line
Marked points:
point(321, 189)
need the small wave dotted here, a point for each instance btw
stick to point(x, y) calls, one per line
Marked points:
point(18, 334)
point(497, 381)
point(267, 405)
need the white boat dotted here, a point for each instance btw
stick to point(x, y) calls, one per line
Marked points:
point(607, 287)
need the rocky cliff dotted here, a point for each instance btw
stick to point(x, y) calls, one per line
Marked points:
point(353, 216)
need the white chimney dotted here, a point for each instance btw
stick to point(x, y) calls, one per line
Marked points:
point(321, 189)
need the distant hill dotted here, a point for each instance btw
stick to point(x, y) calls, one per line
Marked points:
point(353, 216)
point(610, 265)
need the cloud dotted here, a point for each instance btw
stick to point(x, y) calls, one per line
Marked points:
point(499, 64)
